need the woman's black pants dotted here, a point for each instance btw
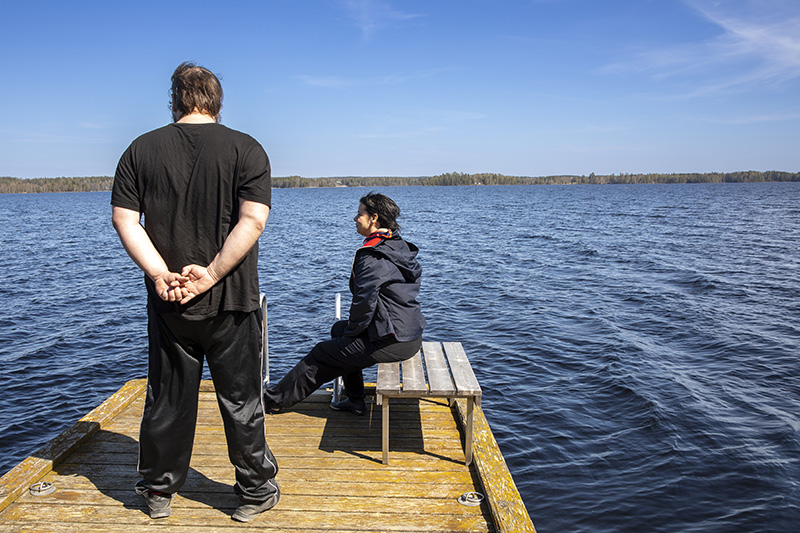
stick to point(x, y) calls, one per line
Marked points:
point(340, 356)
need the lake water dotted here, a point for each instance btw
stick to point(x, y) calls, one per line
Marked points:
point(637, 345)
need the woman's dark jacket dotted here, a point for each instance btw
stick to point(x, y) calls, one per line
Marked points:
point(385, 283)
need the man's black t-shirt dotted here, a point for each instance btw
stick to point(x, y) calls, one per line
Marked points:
point(187, 179)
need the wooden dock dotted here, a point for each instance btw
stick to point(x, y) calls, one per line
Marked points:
point(331, 475)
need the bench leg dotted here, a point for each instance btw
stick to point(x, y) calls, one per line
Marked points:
point(468, 436)
point(385, 438)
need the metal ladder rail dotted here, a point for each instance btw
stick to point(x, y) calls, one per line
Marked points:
point(262, 298)
point(338, 384)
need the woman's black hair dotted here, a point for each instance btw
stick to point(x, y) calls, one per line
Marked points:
point(383, 206)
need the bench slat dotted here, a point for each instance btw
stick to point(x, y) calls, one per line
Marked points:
point(463, 375)
point(438, 376)
point(388, 378)
point(414, 376)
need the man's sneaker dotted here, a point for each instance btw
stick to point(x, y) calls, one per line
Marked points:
point(357, 406)
point(158, 503)
point(246, 512)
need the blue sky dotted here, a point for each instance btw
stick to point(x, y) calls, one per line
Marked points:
point(413, 88)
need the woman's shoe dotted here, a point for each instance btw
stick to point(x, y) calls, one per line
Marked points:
point(354, 406)
point(271, 408)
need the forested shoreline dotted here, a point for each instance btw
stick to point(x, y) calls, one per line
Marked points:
point(85, 184)
point(104, 183)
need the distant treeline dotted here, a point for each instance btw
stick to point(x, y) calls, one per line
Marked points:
point(103, 183)
point(89, 184)
point(458, 178)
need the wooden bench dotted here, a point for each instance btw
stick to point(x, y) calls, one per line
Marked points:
point(449, 376)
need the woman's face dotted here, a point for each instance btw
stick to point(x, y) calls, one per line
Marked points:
point(365, 224)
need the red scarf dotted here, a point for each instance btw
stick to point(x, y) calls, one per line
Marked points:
point(376, 237)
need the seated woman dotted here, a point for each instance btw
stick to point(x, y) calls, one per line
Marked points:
point(385, 322)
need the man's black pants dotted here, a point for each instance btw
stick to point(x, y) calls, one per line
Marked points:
point(231, 343)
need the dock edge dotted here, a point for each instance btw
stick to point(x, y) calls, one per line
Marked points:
point(37, 465)
point(505, 502)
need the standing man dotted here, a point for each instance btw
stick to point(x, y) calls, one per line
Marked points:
point(205, 193)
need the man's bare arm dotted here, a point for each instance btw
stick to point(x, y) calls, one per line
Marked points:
point(141, 249)
point(252, 220)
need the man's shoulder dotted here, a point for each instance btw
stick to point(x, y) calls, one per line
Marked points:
point(155, 135)
point(241, 136)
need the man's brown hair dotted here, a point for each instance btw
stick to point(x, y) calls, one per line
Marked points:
point(195, 89)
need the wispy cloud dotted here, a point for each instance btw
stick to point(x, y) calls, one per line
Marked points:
point(759, 44)
point(51, 138)
point(400, 134)
point(93, 125)
point(387, 79)
point(418, 123)
point(328, 81)
point(756, 119)
point(764, 35)
point(373, 15)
